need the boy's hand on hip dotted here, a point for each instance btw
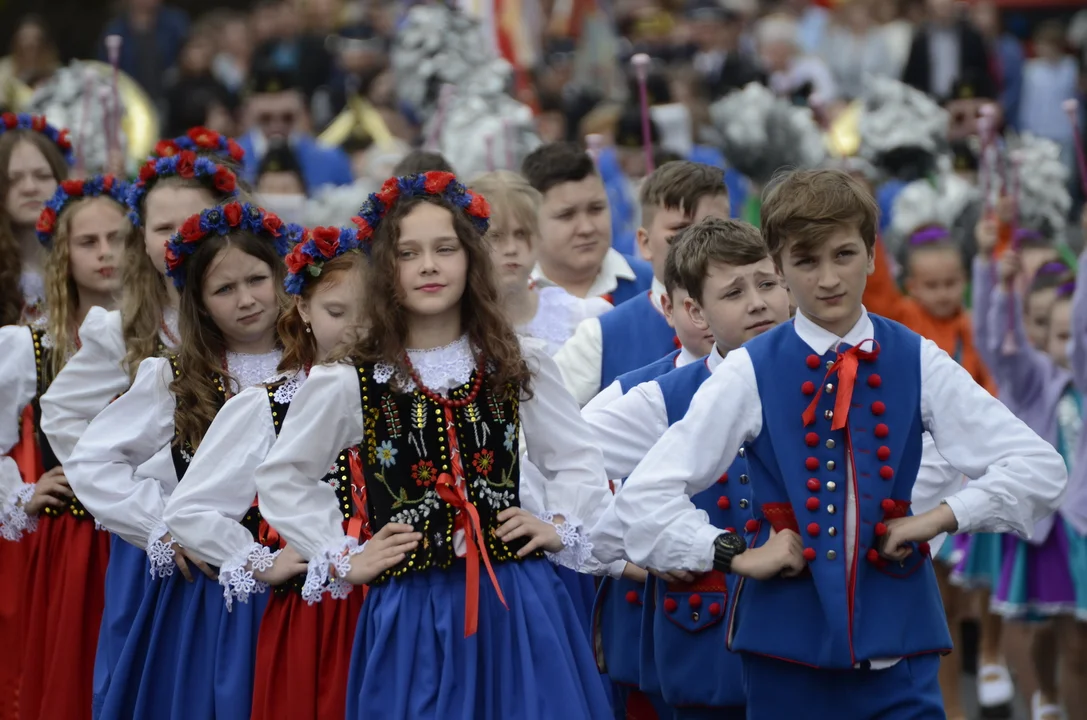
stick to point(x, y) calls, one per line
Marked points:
point(901, 532)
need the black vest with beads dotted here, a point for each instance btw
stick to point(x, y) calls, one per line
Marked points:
point(405, 449)
point(183, 452)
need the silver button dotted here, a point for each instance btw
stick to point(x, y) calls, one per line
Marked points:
point(831, 509)
point(829, 388)
point(694, 617)
point(830, 444)
point(828, 414)
point(830, 364)
point(831, 554)
point(831, 485)
point(830, 464)
point(743, 504)
point(832, 531)
point(742, 452)
point(744, 479)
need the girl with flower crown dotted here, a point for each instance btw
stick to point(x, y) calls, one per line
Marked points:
point(117, 341)
point(226, 263)
point(212, 516)
point(464, 617)
point(80, 229)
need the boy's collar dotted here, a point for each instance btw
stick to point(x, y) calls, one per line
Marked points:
point(821, 341)
point(614, 268)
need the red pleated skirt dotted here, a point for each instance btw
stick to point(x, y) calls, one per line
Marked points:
point(66, 575)
point(303, 657)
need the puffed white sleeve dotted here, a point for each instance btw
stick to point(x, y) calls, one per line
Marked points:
point(88, 383)
point(936, 481)
point(128, 433)
point(204, 513)
point(1017, 478)
point(560, 444)
point(580, 360)
point(325, 417)
point(18, 384)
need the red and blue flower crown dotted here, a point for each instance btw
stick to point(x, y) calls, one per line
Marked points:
point(69, 190)
point(223, 220)
point(441, 184)
point(37, 123)
point(318, 246)
point(185, 164)
point(200, 138)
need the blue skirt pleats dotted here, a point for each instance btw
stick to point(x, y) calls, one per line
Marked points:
point(127, 578)
point(582, 591)
point(530, 661)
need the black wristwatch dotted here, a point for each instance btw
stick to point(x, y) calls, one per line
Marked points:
point(725, 548)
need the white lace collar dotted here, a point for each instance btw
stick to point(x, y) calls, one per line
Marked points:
point(285, 392)
point(441, 369)
point(249, 370)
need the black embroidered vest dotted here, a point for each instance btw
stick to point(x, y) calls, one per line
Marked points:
point(183, 452)
point(406, 448)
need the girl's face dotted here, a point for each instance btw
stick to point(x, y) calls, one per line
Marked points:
point(239, 294)
point(1036, 316)
point(333, 312)
point(166, 208)
point(1060, 331)
point(432, 262)
point(30, 184)
point(95, 247)
point(512, 252)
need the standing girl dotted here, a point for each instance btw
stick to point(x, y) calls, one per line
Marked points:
point(212, 514)
point(435, 394)
point(227, 265)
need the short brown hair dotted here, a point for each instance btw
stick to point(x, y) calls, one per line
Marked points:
point(694, 249)
point(804, 207)
point(679, 185)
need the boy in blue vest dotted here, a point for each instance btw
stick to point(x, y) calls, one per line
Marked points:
point(837, 614)
point(671, 631)
point(640, 331)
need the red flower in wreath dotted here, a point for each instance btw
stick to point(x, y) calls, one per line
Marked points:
point(147, 172)
point(389, 192)
point(72, 187)
point(273, 224)
point(224, 180)
point(63, 140)
point(166, 148)
point(203, 137)
point(297, 261)
point(107, 182)
point(235, 150)
point(47, 221)
point(479, 207)
point(365, 231)
point(190, 230)
point(483, 462)
point(436, 182)
point(423, 473)
point(37, 123)
point(10, 120)
point(186, 164)
point(233, 214)
point(326, 240)
point(173, 260)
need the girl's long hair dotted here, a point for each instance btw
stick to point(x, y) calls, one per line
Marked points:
point(11, 269)
point(201, 354)
point(481, 319)
point(144, 298)
point(299, 346)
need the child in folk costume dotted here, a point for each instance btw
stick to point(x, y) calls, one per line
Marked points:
point(226, 263)
point(641, 330)
point(855, 626)
point(204, 143)
point(676, 642)
point(212, 516)
point(116, 342)
point(80, 227)
point(435, 394)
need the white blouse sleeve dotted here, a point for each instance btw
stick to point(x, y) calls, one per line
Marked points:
point(88, 383)
point(560, 445)
point(325, 417)
point(204, 512)
point(18, 385)
point(130, 431)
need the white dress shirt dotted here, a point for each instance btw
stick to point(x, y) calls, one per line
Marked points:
point(614, 268)
point(615, 390)
point(19, 371)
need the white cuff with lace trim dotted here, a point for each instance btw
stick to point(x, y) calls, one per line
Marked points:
point(236, 574)
point(14, 521)
point(159, 553)
point(327, 570)
point(577, 551)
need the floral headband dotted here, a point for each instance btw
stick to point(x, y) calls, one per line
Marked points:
point(440, 184)
point(200, 138)
point(185, 164)
point(318, 246)
point(223, 220)
point(37, 123)
point(68, 190)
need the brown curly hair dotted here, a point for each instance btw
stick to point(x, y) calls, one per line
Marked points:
point(482, 318)
point(11, 270)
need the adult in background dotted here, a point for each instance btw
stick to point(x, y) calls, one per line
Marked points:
point(153, 34)
point(945, 48)
point(718, 59)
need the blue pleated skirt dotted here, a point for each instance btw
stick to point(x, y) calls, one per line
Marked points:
point(186, 656)
point(582, 590)
point(983, 564)
point(127, 577)
point(530, 661)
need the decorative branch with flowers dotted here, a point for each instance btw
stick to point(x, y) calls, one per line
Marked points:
point(200, 138)
point(318, 246)
point(69, 190)
point(37, 123)
point(186, 165)
point(439, 184)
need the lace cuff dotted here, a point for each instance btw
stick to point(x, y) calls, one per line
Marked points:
point(236, 574)
point(576, 551)
point(327, 570)
point(13, 518)
point(159, 553)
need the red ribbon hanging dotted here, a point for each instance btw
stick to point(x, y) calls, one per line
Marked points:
point(846, 368)
point(358, 526)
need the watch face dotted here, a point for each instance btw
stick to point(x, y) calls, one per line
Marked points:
point(732, 542)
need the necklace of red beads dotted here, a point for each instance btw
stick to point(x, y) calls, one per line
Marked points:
point(441, 400)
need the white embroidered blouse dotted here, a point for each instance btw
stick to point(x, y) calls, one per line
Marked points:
point(558, 315)
point(20, 383)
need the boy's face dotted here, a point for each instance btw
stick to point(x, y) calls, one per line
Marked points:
point(697, 339)
point(740, 302)
point(654, 241)
point(937, 281)
point(1060, 331)
point(828, 281)
point(575, 227)
point(1037, 316)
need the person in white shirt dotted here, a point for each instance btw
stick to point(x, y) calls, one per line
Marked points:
point(832, 408)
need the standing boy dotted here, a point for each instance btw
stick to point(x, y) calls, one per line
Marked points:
point(832, 408)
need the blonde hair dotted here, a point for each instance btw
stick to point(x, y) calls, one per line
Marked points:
point(61, 292)
point(511, 198)
point(299, 346)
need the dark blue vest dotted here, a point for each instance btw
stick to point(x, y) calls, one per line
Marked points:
point(824, 618)
point(628, 289)
point(633, 335)
point(652, 371)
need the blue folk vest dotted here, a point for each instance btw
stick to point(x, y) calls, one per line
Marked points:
point(652, 371)
point(827, 618)
point(633, 335)
point(629, 289)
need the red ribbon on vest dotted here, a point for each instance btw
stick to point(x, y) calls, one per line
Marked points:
point(26, 453)
point(358, 526)
point(846, 367)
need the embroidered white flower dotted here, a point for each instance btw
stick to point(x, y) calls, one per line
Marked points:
point(576, 550)
point(415, 514)
point(511, 437)
point(236, 574)
point(14, 520)
point(386, 454)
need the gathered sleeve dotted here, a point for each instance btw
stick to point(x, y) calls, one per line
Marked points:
point(1020, 371)
point(90, 380)
point(18, 385)
point(204, 513)
point(580, 360)
point(129, 432)
point(1078, 351)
